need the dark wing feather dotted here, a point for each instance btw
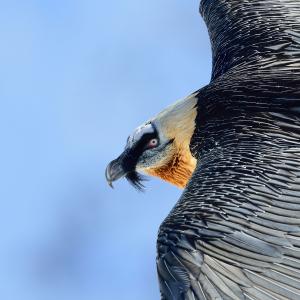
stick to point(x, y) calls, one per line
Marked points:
point(225, 241)
point(235, 232)
point(252, 33)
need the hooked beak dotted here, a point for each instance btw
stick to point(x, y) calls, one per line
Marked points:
point(114, 171)
point(124, 166)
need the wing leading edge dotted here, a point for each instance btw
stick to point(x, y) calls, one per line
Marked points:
point(255, 33)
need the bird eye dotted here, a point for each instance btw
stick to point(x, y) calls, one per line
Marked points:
point(152, 143)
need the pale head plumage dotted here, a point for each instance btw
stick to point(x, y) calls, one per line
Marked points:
point(176, 123)
point(160, 147)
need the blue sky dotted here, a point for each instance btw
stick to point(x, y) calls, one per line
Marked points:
point(76, 78)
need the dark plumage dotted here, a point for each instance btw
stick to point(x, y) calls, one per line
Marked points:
point(136, 180)
point(235, 231)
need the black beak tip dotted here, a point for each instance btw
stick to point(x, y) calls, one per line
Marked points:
point(108, 175)
point(113, 172)
point(110, 184)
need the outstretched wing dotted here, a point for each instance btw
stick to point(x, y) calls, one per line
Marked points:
point(235, 232)
point(252, 33)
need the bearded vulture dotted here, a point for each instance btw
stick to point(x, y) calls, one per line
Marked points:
point(234, 148)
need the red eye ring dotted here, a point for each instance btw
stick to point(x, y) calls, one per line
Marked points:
point(153, 143)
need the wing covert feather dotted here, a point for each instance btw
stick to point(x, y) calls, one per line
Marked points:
point(256, 33)
point(237, 237)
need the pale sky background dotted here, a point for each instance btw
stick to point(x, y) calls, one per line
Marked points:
point(76, 77)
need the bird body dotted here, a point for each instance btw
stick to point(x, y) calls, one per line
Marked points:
point(235, 231)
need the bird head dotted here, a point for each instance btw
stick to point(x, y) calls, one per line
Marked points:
point(159, 147)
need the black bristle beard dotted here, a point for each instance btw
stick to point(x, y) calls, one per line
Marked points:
point(136, 180)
